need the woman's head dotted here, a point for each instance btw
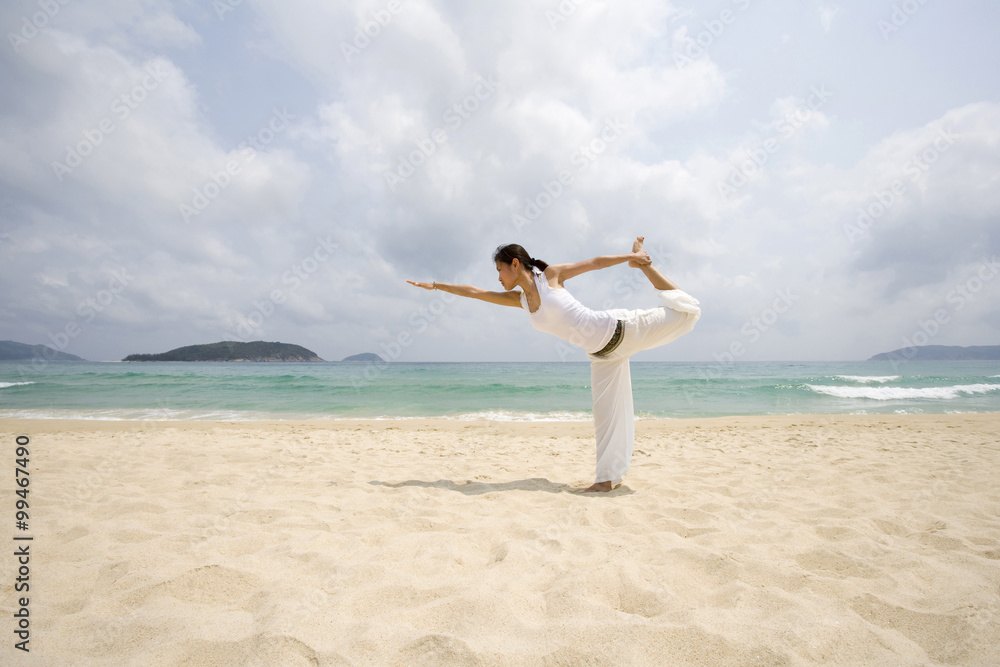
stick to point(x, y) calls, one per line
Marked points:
point(508, 253)
point(511, 259)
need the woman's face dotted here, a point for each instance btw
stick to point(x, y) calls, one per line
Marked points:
point(508, 275)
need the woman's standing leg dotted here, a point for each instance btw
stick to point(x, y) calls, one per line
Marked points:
point(611, 382)
point(614, 420)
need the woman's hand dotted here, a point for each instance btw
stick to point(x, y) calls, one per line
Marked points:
point(640, 258)
point(512, 298)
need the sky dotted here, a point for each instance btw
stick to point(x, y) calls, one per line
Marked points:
point(824, 177)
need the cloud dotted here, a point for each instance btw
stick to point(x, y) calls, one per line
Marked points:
point(931, 188)
point(99, 153)
point(408, 140)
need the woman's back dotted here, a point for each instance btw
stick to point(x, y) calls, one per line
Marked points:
point(560, 314)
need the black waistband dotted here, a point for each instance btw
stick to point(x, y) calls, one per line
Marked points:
point(616, 340)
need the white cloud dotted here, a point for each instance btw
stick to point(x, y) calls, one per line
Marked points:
point(553, 88)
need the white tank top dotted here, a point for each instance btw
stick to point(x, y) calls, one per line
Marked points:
point(562, 315)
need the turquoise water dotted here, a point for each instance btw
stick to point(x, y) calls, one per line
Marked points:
point(507, 391)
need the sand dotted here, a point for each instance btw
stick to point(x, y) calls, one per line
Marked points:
point(795, 540)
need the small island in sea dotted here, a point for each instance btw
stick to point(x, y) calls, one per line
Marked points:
point(942, 353)
point(232, 351)
point(365, 356)
point(13, 351)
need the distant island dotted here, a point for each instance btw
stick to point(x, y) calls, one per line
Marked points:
point(942, 353)
point(232, 351)
point(366, 356)
point(12, 351)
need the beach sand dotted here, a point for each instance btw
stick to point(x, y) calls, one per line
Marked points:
point(789, 540)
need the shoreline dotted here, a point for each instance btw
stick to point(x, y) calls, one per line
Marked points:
point(453, 424)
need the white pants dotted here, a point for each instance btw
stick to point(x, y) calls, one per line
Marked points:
point(611, 381)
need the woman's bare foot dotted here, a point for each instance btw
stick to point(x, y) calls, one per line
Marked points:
point(599, 487)
point(637, 248)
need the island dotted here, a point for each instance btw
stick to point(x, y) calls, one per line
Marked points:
point(365, 356)
point(13, 351)
point(228, 350)
point(942, 353)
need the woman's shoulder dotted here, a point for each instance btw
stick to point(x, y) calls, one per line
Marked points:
point(553, 274)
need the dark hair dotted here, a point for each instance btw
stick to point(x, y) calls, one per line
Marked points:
point(508, 253)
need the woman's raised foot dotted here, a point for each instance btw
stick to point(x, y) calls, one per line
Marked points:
point(637, 248)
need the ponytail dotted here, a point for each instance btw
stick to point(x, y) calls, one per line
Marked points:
point(537, 264)
point(508, 253)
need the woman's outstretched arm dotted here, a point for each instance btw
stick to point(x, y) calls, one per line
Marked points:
point(512, 298)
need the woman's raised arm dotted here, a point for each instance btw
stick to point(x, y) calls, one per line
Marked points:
point(563, 272)
point(512, 298)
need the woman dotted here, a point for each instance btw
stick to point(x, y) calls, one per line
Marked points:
point(609, 337)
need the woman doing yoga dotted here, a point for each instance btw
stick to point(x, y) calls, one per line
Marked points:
point(609, 337)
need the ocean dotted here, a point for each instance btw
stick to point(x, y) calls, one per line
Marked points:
point(557, 391)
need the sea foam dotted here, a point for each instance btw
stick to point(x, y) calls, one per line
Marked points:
point(901, 393)
point(867, 379)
